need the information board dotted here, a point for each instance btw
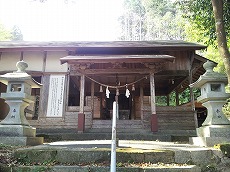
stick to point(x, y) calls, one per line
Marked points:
point(56, 95)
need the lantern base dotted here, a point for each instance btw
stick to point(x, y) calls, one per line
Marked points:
point(17, 131)
point(211, 135)
point(208, 141)
point(22, 141)
point(19, 135)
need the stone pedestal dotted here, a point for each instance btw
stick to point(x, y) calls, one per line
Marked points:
point(22, 141)
point(15, 129)
point(211, 135)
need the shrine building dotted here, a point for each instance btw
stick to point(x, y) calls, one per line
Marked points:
point(80, 81)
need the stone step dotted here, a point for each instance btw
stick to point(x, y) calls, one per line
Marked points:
point(95, 156)
point(121, 124)
point(92, 168)
point(118, 121)
point(118, 130)
point(104, 136)
point(122, 134)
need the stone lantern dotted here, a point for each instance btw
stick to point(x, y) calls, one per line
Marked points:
point(216, 127)
point(15, 129)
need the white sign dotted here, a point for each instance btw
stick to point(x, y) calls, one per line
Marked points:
point(56, 95)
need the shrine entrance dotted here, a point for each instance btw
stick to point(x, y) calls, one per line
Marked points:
point(125, 107)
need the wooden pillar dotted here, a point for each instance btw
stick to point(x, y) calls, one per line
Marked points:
point(192, 100)
point(22, 55)
point(191, 91)
point(133, 112)
point(168, 99)
point(142, 100)
point(154, 121)
point(81, 115)
point(92, 97)
point(177, 98)
point(43, 101)
point(92, 101)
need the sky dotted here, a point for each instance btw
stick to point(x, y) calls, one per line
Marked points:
point(63, 20)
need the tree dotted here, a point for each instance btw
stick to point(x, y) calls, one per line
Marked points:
point(151, 20)
point(212, 19)
point(132, 21)
point(5, 35)
point(163, 20)
point(10, 35)
point(221, 34)
point(16, 34)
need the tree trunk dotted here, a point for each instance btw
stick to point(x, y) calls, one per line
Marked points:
point(221, 36)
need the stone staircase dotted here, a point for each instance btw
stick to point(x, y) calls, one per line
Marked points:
point(132, 156)
point(121, 124)
point(126, 130)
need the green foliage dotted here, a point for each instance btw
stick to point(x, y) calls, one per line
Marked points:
point(151, 20)
point(184, 97)
point(200, 15)
point(5, 35)
point(158, 7)
point(225, 148)
point(16, 34)
point(10, 35)
point(172, 99)
point(201, 27)
point(163, 20)
point(210, 168)
point(161, 100)
point(226, 108)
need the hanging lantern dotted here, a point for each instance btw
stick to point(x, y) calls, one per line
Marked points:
point(107, 92)
point(127, 93)
point(101, 89)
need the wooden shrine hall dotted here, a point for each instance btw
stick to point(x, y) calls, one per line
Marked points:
point(86, 76)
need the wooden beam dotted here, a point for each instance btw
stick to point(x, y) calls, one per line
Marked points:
point(172, 73)
point(111, 71)
point(116, 59)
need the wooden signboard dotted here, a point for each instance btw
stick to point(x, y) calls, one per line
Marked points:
point(56, 95)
